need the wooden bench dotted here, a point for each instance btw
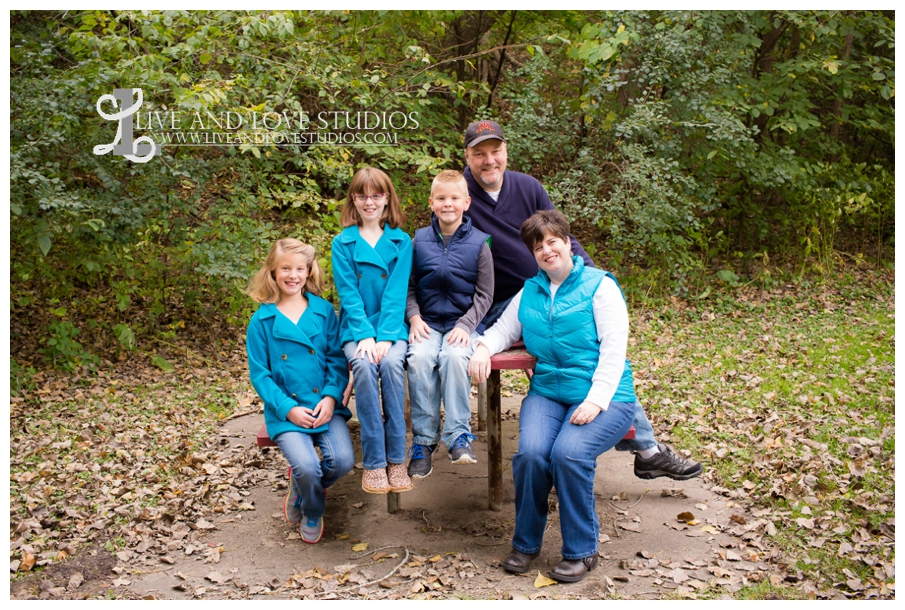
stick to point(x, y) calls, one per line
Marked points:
point(491, 420)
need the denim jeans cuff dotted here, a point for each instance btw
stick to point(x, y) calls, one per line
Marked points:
point(536, 550)
point(578, 556)
point(424, 440)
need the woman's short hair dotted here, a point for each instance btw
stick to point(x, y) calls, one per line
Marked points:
point(263, 286)
point(541, 224)
point(376, 181)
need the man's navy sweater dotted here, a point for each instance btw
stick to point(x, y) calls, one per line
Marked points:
point(520, 198)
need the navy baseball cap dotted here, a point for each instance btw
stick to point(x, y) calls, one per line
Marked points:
point(479, 131)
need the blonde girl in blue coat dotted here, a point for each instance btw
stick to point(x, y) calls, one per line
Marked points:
point(299, 371)
point(372, 260)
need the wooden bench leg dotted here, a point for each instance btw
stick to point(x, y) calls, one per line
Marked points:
point(494, 443)
point(393, 504)
point(482, 406)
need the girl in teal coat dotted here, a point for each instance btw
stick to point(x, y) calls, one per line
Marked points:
point(372, 260)
point(299, 371)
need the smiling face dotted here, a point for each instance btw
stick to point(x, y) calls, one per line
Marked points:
point(487, 162)
point(370, 205)
point(448, 201)
point(554, 256)
point(290, 274)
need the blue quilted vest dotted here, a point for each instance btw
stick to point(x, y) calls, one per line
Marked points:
point(445, 276)
point(563, 337)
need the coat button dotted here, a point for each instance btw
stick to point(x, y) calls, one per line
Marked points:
point(284, 356)
point(383, 276)
point(315, 390)
point(359, 276)
point(311, 351)
point(294, 396)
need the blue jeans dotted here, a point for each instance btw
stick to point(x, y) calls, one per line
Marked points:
point(310, 474)
point(553, 452)
point(644, 433)
point(382, 433)
point(437, 369)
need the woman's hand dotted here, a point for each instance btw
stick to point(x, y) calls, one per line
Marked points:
point(419, 329)
point(457, 337)
point(585, 413)
point(479, 365)
point(301, 417)
point(323, 411)
point(367, 348)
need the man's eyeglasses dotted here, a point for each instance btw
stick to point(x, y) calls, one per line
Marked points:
point(377, 197)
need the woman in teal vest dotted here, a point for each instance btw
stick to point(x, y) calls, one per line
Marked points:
point(573, 319)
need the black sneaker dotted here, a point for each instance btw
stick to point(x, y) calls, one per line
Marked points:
point(667, 463)
point(420, 462)
point(461, 452)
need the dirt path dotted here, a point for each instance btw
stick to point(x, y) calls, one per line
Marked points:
point(446, 543)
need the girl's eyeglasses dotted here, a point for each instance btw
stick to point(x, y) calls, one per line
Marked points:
point(364, 198)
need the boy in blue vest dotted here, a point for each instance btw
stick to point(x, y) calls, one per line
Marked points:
point(450, 291)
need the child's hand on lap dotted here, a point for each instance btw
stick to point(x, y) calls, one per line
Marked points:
point(381, 349)
point(458, 338)
point(324, 411)
point(301, 417)
point(367, 349)
point(420, 329)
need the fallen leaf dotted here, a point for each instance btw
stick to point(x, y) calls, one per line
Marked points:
point(542, 581)
point(685, 517)
point(358, 548)
point(28, 561)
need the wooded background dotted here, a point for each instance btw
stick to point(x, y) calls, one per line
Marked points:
point(692, 150)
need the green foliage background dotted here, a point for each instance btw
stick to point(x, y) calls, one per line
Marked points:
point(688, 148)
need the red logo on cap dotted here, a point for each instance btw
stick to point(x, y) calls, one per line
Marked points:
point(484, 127)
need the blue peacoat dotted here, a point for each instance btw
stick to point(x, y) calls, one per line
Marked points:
point(296, 364)
point(372, 284)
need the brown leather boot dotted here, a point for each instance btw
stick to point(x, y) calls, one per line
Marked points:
point(574, 570)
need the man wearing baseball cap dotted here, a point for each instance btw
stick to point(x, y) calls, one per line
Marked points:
point(501, 200)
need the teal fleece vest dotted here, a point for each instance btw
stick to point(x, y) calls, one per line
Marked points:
point(563, 337)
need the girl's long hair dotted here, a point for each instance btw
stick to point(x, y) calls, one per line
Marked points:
point(263, 286)
point(374, 180)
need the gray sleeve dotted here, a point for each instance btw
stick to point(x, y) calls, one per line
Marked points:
point(411, 301)
point(483, 294)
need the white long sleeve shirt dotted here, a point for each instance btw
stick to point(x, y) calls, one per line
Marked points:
point(611, 320)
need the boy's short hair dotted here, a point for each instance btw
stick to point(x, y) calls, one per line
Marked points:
point(450, 176)
point(545, 222)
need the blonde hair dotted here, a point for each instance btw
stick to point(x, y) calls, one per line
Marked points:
point(375, 180)
point(450, 176)
point(263, 286)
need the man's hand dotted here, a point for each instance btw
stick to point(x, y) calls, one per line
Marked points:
point(585, 413)
point(479, 365)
